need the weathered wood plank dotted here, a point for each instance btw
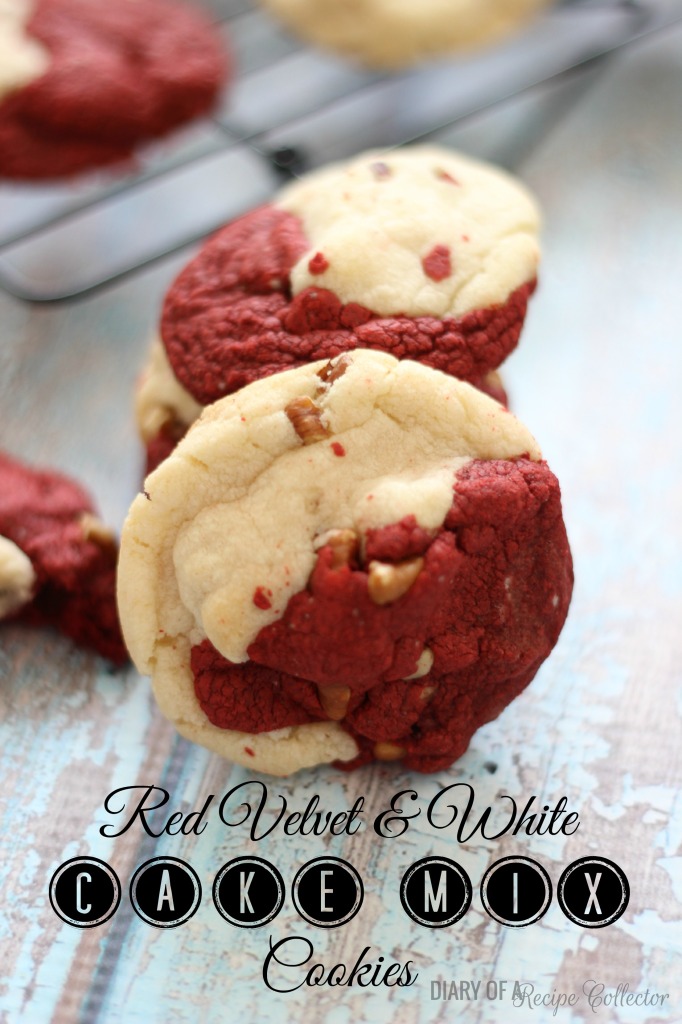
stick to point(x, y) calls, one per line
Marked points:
point(598, 378)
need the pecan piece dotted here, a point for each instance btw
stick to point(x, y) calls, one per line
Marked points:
point(334, 699)
point(306, 419)
point(98, 533)
point(344, 544)
point(17, 577)
point(388, 581)
point(334, 369)
point(386, 751)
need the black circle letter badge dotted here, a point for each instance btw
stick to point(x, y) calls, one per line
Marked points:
point(593, 892)
point(516, 891)
point(435, 892)
point(327, 892)
point(248, 892)
point(165, 892)
point(85, 892)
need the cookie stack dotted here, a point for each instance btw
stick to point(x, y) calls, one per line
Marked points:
point(354, 553)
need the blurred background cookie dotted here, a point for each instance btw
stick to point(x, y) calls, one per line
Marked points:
point(394, 34)
point(57, 558)
point(82, 83)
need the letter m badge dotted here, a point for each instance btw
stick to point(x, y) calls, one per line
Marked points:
point(437, 900)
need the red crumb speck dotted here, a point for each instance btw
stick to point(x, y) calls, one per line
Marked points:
point(261, 598)
point(465, 238)
point(338, 448)
point(436, 264)
point(380, 169)
point(243, 419)
point(249, 751)
point(318, 263)
point(444, 176)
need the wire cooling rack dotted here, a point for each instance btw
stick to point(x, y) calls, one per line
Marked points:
point(292, 108)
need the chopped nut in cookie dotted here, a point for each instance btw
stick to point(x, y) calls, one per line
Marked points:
point(306, 419)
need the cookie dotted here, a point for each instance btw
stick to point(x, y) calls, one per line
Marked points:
point(358, 558)
point(57, 559)
point(165, 411)
point(390, 35)
point(421, 252)
point(83, 83)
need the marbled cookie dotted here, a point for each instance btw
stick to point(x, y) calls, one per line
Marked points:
point(57, 558)
point(83, 82)
point(393, 34)
point(421, 252)
point(358, 558)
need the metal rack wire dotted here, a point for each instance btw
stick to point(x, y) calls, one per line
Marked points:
point(291, 108)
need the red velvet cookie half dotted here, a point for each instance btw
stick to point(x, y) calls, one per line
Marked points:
point(420, 252)
point(358, 559)
point(57, 558)
point(84, 82)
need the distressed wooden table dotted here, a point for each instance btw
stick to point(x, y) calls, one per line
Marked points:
point(597, 377)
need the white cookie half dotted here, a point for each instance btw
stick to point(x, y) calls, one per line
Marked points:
point(160, 398)
point(396, 33)
point(378, 218)
point(22, 58)
point(17, 578)
point(237, 508)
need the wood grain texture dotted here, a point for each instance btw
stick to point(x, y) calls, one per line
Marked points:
point(597, 378)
